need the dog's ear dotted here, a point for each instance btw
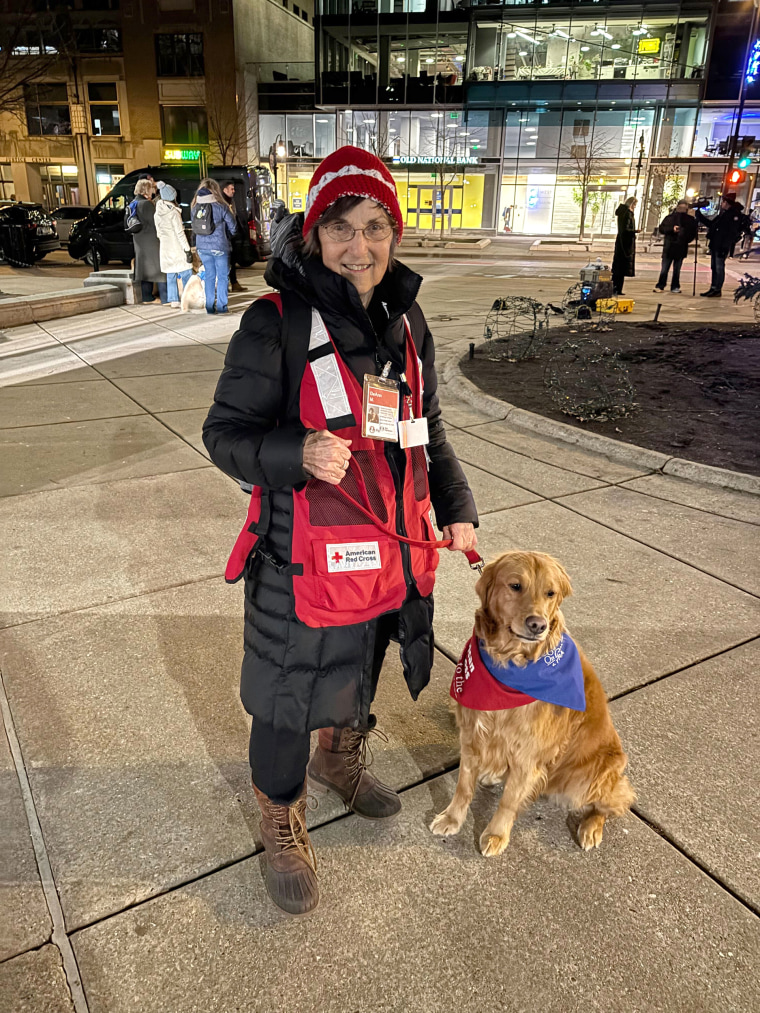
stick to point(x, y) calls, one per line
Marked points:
point(565, 587)
point(486, 624)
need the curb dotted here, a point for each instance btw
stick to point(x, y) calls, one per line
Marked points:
point(616, 450)
point(29, 309)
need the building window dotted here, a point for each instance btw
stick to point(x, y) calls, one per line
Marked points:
point(184, 125)
point(92, 39)
point(179, 55)
point(285, 4)
point(47, 109)
point(107, 176)
point(104, 109)
point(305, 15)
point(296, 9)
point(6, 181)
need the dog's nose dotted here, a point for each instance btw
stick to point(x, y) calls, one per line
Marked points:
point(535, 624)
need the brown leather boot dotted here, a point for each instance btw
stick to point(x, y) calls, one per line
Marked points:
point(291, 873)
point(339, 764)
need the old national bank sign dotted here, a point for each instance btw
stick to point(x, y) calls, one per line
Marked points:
point(434, 160)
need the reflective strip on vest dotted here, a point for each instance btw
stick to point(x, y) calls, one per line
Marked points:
point(324, 366)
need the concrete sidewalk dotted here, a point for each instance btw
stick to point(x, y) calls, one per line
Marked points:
point(131, 843)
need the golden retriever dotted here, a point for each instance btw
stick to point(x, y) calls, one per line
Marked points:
point(539, 748)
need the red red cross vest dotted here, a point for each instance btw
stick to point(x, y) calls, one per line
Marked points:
point(346, 547)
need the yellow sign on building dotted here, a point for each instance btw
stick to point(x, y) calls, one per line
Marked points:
point(649, 46)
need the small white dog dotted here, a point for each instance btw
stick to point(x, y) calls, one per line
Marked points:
point(193, 294)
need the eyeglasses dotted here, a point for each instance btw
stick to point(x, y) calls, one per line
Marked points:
point(341, 232)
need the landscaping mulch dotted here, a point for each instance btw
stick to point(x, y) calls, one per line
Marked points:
point(696, 389)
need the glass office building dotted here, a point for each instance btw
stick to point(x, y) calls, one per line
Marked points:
point(497, 117)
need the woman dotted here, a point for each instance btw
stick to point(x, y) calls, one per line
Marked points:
point(147, 255)
point(332, 582)
point(213, 224)
point(624, 260)
point(176, 257)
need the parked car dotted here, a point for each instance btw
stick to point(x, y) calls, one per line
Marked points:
point(102, 236)
point(66, 215)
point(27, 233)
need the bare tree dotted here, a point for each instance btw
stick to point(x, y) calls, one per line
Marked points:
point(443, 165)
point(233, 124)
point(32, 43)
point(666, 186)
point(587, 157)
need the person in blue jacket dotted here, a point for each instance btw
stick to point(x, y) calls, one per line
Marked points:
point(212, 241)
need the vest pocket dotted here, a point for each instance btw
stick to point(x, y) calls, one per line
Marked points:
point(353, 576)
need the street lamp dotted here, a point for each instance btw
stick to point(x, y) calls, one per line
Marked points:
point(276, 151)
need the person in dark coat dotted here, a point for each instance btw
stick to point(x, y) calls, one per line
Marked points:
point(679, 230)
point(147, 249)
point(228, 190)
point(295, 677)
point(723, 233)
point(624, 259)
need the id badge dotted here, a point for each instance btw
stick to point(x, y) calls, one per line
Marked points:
point(380, 403)
point(413, 433)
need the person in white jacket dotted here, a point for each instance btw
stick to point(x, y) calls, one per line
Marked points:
point(175, 254)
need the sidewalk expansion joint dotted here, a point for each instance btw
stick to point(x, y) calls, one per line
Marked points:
point(111, 601)
point(47, 880)
point(677, 503)
point(682, 850)
point(540, 460)
point(684, 668)
point(558, 500)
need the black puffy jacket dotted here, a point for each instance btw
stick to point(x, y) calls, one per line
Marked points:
point(294, 676)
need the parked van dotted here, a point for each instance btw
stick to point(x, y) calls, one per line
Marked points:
point(102, 234)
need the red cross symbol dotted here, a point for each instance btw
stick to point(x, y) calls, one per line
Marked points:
point(337, 557)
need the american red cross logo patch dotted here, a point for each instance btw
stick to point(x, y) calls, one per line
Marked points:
point(353, 556)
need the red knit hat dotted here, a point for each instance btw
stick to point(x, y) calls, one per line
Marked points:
point(351, 172)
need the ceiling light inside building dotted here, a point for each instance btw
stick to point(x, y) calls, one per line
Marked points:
point(605, 34)
point(615, 45)
point(400, 59)
point(527, 38)
point(523, 52)
point(585, 49)
point(323, 121)
point(511, 35)
point(430, 60)
point(562, 35)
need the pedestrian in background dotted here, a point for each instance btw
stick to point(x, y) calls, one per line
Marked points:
point(229, 195)
point(723, 233)
point(624, 260)
point(147, 252)
point(213, 224)
point(679, 229)
point(176, 258)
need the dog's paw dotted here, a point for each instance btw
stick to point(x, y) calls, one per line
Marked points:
point(445, 824)
point(590, 831)
point(493, 844)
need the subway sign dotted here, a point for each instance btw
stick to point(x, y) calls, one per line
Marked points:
point(434, 160)
point(181, 154)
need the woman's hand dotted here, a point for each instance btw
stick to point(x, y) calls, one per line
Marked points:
point(463, 537)
point(326, 456)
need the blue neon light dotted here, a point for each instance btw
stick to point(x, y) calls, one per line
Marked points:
point(753, 64)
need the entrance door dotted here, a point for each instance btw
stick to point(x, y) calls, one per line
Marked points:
point(600, 212)
point(430, 206)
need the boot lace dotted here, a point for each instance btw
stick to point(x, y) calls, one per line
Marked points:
point(291, 833)
point(359, 748)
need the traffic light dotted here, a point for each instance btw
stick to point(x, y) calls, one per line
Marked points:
point(735, 178)
point(744, 162)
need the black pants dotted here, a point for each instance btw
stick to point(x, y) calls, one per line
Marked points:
point(718, 268)
point(618, 278)
point(676, 260)
point(146, 288)
point(279, 758)
point(233, 268)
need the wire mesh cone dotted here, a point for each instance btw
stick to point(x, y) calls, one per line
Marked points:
point(516, 328)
